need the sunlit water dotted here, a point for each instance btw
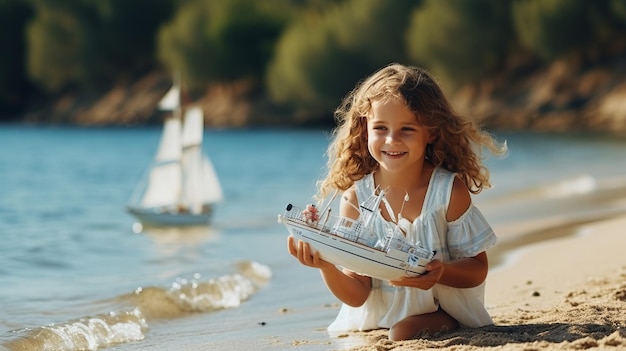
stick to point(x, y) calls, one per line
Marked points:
point(75, 276)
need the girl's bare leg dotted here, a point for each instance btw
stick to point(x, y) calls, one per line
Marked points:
point(423, 325)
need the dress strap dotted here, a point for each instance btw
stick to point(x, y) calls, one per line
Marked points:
point(439, 189)
point(364, 188)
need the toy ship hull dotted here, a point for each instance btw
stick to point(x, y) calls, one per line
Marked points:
point(389, 264)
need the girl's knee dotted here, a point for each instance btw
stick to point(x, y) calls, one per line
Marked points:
point(423, 326)
point(401, 331)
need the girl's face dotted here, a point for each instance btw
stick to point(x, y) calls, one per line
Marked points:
point(394, 138)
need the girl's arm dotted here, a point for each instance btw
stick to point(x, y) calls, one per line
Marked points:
point(349, 287)
point(464, 273)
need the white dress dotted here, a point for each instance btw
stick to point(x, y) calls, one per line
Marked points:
point(467, 236)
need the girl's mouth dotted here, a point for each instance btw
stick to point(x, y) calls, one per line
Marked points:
point(393, 153)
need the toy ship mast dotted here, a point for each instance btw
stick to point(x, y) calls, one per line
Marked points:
point(369, 208)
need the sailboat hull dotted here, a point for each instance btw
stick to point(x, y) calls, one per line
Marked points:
point(159, 218)
point(353, 255)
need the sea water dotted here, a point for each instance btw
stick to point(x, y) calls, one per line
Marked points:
point(77, 274)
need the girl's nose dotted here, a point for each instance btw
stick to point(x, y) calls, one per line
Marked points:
point(392, 137)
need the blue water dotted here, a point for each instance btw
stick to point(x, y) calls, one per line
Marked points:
point(74, 275)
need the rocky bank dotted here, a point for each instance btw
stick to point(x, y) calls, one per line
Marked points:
point(563, 96)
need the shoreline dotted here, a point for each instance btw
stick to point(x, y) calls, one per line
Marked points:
point(552, 219)
point(552, 268)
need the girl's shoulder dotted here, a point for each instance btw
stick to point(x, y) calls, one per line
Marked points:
point(460, 200)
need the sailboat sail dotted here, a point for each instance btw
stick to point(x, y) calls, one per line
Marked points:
point(171, 100)
point(200, 185)
point(165, 177)
point(212, 188)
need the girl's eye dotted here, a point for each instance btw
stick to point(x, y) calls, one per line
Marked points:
point(380, 128)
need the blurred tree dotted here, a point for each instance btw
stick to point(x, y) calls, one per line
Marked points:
point(127, 33)
point(553, 28)
point(322, 55)
point(222, 40)
point(306, 53)
point(618, 8)
point(608, 18)
point(87, 44)
point(62, 45)
point(460, 40)
point(14, 86)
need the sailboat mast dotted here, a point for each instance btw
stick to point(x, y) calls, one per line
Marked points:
point(180, 114)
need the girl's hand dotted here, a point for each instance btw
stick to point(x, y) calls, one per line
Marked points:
point(434, 271)
point(303, 252)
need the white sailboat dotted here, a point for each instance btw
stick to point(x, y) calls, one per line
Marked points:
point(181, 186)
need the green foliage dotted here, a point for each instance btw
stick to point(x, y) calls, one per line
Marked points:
point(618, 9)
point(222, 41)
point(306, 53)
point(61, 42)
point(180, 42)
point(608, 19)
point(459, 40)
point(127, 32)
point(13, 86)
point(87, 44)
point(553, 28)
point(323, 54)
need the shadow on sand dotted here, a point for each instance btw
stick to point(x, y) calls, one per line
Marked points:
point(499, 335)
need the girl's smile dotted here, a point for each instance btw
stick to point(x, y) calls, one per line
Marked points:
point(391, 153)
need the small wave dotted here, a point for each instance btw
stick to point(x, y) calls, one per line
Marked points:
point(88, 333)
point(580, 185)
point(195, 295)
point(576, 186)
point(185, 296)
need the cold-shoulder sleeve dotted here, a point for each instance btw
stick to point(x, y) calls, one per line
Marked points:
point(470, 234)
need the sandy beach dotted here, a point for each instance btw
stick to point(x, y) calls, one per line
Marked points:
point(568, 293)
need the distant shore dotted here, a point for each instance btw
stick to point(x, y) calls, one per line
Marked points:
point(560, 97)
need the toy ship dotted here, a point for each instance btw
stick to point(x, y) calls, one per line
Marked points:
point(353, 244)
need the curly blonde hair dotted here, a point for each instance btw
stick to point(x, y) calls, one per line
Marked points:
point(457, 146)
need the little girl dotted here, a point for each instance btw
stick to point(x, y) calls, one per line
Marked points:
point(398, 132)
